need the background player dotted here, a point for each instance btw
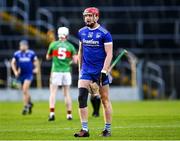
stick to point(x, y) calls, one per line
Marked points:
point(95, 101)
point(95, 55)
point(24, 64)
point(62, 53)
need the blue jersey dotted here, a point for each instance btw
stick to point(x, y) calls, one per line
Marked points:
point(24, 61)
point(93, 51)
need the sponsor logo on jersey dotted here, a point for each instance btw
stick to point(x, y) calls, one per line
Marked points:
point(91, 42)
point(24, 59)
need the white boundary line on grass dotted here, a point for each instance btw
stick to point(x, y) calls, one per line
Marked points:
point(89, 140)
point(94, 128)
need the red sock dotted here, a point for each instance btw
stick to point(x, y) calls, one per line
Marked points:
point(69, 112)
point(51, 109)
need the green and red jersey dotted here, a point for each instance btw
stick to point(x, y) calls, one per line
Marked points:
point(62, 53)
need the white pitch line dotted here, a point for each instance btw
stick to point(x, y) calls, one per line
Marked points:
point(88, 139)
point(94, 128)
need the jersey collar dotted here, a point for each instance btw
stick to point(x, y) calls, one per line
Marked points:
point(93, 28)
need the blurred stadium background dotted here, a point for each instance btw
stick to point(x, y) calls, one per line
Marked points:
point(148, 29)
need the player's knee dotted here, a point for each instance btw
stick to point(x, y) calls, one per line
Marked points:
point(105, 101)
point(24, 90)
point(104, 97)
point(82, 98)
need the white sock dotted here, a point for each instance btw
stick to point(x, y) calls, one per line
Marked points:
point(69, 116)
point(51, 114)
point(84, 126)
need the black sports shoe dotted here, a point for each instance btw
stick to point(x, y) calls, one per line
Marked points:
point(51, 118)
point(25, 110)
point(82, 133)
point(105, 133)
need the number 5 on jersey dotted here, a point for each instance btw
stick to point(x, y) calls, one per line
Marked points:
point(62, 53)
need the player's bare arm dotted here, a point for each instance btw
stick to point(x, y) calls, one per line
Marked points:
point(80, 56)
point(14, 68)
point(48, 56)
point(49, 53)
point(109, 52)
point(75, 59)
point(36, 63)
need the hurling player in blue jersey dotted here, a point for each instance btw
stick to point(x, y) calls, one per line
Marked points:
point(24, 64)
point(95, 55)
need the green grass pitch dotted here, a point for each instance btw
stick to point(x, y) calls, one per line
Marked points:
point(146, 120)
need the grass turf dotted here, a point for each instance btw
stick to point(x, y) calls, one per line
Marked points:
point(146, 120)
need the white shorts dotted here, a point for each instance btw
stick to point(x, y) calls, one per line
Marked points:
point(61, 78)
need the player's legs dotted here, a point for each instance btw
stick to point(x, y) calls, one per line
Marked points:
point(55, 81)
point(83, 85)
point(52, 100)
point(25, 90)
point(107, 109)
point(26, 97)
point(66, 82)
point(83, 110)
point(83, 97)
point(68, 101)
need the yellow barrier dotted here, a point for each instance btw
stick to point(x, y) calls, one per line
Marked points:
point(21, 26)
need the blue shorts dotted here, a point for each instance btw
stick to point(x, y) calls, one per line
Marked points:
point(28, 77)
point(93, 77)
